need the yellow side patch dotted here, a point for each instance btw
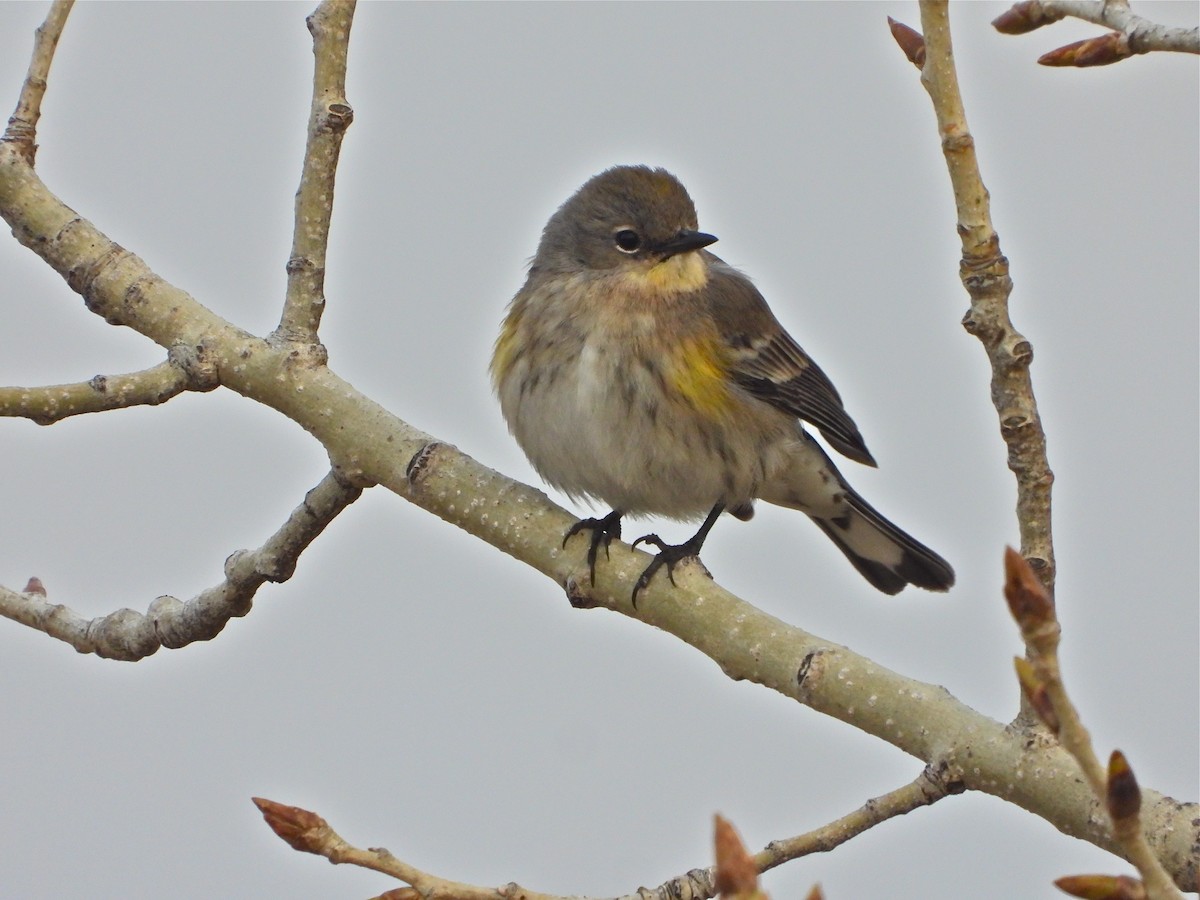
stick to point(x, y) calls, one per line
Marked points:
point(697, 372)
point(505, 351)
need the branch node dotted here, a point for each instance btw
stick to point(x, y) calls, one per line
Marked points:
point(417, 467)
point(578, 595)
point(195, 361)
point(337, 117)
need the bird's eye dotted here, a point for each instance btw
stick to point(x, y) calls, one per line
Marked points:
point(627, 240)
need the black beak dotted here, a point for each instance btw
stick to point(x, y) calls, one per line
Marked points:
point(685, 242)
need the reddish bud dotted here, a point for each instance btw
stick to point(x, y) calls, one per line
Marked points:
point(1102, 887)
point(35, 586)
point(1035, 692)
point(737, 876)
point(1098, 51)
point(910, 41)
point(1027, 597)
point(816, 893)
point(1122, 795)
point(301, 829)
point(1023, 18)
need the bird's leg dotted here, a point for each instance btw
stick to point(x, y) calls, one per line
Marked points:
point(670, 555)
point(603, 531)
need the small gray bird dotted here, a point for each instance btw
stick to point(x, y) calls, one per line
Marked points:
point(637, 369)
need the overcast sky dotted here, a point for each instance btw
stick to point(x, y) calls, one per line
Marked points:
point(429, 694)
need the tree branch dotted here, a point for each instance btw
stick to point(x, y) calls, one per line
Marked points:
point(984, 273)
point(1042, 682)
point(331, 115)
point(926, 789)
point(183, 370)
point(22, 126)
point(1131, 35)
point(128, 635)
point(310, 833)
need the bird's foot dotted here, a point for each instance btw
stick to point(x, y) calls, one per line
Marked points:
point(669, 555)
point(603, 531)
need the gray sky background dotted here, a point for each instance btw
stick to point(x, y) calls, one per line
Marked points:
point(425, 692)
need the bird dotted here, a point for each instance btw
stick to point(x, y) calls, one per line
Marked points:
point(638, 370)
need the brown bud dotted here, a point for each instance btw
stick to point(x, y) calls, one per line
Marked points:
point(1035, 692)
point(1122, 795)
point(1098, 51)
point(1027, 597)
point(737, 876)
point(301, 829)
point(35, 586)
point(1023, 18)
point(910, 41)
point(816, 893)
point(1102, 887)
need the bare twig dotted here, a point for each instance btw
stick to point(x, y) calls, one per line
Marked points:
point(185, 369)
point(1041, 680)
point(984, 273)
point(308, 832)
point(328, 120)
point(934, 783)
point(22, 126)
point(1131, 35)
point(128, 635)
point(931, 785)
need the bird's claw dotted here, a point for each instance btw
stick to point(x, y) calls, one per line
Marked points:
point(603, 531)
point(669, 555)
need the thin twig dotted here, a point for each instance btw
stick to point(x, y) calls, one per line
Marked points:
point(310, 833)
point(1131, 35)
point(934, 783)
point(926, 789)
point(22, 126)
point(329, 118)
point(129, 636)
point(185, 369)
point(984, 274)
point(1042, 682)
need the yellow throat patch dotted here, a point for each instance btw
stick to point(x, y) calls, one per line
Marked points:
point(678, 275)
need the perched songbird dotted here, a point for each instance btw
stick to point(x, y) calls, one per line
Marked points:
point(637, 369)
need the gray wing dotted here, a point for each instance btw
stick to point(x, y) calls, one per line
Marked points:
point(771, 366)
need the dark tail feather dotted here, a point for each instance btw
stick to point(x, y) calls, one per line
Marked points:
point(882, 553)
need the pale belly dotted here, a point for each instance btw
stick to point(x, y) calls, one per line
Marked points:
point(618, 435)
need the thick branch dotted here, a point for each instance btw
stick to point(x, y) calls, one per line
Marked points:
point(130, 636)
point(328, 120)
